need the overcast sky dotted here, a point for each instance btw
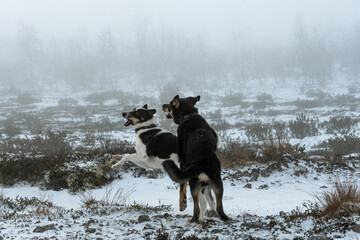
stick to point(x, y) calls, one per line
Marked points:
point(207, 17)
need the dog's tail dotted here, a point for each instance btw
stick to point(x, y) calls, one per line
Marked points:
point(180, 176)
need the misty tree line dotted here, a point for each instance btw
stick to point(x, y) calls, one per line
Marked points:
point(157, 55)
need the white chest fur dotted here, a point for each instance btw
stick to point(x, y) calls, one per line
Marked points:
point(140, 147)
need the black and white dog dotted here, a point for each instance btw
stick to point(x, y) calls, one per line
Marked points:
point(197, 144)
point(153, 146)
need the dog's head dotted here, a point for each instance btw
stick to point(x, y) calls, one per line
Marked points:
point(178, 108)
point(138, 115)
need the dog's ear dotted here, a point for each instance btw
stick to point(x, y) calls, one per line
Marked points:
point(145, 106)
point(194, 100)
point(124, 114)
point(176, 101)
point(152, 111)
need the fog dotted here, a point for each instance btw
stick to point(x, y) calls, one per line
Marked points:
point(91, 44)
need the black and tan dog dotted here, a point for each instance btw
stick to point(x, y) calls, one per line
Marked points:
point(197, 144)
point(153, 146)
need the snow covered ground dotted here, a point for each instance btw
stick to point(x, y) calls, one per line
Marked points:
point(259, 206)
point(283, 193)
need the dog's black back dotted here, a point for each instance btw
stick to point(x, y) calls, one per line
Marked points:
point(159, 143)
point(197, 144)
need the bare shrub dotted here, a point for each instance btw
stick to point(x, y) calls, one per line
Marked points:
point(304, 103)
point(24, 206)
point(50, 144)
point(215, 115)
point(341, 125)
point(235, 153)
point(277, 148)
point(221, 125)
point(316, 93)
point(123, 97)
point(28, 160)
point(258, 131)
point(263, 100)
point(68, 102)
point(80, 112)
point(147, 208)
point(341, 201)
point(354, 89)
point(105, 125)
point(343, 100)
point(230, 100)
point(11, 128)
point(26, 98)
point(118, 198)
point(33, 123)
point(100, 98)
point(265, 97)
point(112, 146)
point(304, 126)
point(345, 144)
point(280, 128)
point(23, 169)
point(50, 162)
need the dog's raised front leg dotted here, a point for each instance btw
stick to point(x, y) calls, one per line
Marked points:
point(119, 160)
point(132, 158)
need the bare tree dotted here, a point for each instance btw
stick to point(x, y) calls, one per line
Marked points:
point(351, 55)
point(56, 70)
point(29, 55)
point(80, 63)
point(314, 62)
point(107, 50)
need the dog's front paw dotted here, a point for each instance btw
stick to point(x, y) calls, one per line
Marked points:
point(117, 157)
point(116, 165)
point(119, 163)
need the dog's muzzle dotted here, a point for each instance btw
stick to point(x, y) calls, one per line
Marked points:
point(128, 122)
point(166, 108)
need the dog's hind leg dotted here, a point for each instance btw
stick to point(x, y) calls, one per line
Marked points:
point(209, 198)
point(182, 197)
point(219, 191)
point(203, 206)
point(195, 193)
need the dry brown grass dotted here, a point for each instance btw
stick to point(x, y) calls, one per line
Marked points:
point(235, 153)
point(120, 197)
point(278, 147)
point(341, 201)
